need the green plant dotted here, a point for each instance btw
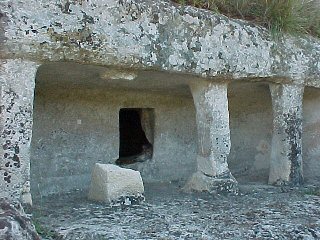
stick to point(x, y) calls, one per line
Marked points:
point(291, 16)
point(312, 191)
point(43, 231)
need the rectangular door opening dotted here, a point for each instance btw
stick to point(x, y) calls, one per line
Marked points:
point(136, 135)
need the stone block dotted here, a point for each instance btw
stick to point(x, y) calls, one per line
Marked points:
point(112, 184)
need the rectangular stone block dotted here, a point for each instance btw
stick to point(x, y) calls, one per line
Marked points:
point(110, 184)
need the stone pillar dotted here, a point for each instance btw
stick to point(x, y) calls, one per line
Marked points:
point(286, 151)
point(212, 115)
point(17, 80)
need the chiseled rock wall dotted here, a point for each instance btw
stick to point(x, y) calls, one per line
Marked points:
point(129, 33)
point(63, 152)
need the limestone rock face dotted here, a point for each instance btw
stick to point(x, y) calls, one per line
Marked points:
point(153, 34)
point(110, 183)
point(14, 224)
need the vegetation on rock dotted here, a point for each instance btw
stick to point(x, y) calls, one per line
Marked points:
point(290, 16)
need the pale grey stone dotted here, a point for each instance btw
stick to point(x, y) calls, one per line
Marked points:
point(110, 183)
point(183, 45)
point(163, 36)
point(17, 79)
point(286, 151)
point(258, 212)
point(214, 143)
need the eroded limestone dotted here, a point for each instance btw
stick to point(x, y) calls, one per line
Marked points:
point(214, 143)
point(164, 36)
point(144, 35)
point(286, 152)
point(17, 80)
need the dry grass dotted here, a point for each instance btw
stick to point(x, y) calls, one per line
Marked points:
point(291, 16)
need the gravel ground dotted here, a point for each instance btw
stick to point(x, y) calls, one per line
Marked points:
point(258, 212)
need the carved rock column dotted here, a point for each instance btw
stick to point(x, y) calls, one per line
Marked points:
point(17, 80)
point(214, 143)
point(286, 151)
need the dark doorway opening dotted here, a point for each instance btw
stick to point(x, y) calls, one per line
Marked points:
point(134, 144)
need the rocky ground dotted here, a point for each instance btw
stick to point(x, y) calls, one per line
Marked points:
point(258, 212)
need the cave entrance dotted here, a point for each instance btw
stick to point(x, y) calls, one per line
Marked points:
point(136, 135)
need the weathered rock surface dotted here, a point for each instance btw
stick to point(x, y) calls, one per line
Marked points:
point(214, 142)
point(14, 224)
point(111, 183)
point(286, 153)
point(160, 35)
point(127, 35)
point(259, 212)
point(17, 81)
point(220, 184)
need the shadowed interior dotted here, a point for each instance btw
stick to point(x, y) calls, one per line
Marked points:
point(132, 136)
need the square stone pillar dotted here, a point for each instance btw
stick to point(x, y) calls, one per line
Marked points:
point(286, 149)
point(212, 116)
point(17, 80)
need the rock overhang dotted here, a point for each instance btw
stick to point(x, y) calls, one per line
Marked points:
point(160, 36)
